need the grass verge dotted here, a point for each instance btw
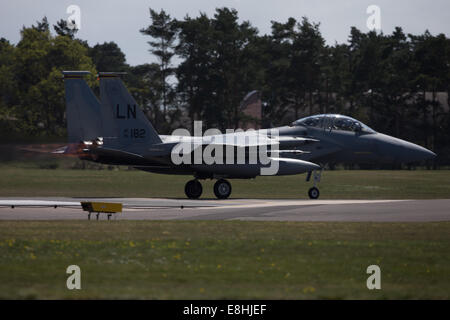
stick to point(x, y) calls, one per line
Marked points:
point(223, 260)
point(358, 184)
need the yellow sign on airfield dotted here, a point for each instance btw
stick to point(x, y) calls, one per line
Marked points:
point(101, 207)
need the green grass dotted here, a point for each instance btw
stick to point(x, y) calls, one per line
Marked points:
point(340, 184)
point(230, 260)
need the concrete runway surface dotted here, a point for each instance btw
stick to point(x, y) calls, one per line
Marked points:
point(233, 209)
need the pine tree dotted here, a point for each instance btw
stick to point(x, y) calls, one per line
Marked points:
point(163, 32)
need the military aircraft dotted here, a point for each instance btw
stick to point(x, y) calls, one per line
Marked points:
point(115, 131)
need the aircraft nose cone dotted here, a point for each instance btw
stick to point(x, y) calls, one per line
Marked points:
point(402, 151)
point(418, 153)
point(410, 152)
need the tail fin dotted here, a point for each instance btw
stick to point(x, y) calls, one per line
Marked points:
point(82, 108)
point(122, 118)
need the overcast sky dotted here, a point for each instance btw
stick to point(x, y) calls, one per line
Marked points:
point(120, 21)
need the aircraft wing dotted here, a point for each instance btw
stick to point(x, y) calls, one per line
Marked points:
point(240, 139)
point(114, 153)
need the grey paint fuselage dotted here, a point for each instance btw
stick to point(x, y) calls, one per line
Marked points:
point(355, 147)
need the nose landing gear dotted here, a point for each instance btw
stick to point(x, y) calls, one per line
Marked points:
point(313, 192)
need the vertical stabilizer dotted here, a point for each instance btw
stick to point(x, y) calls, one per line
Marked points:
point(125, 123)
point(82, 108)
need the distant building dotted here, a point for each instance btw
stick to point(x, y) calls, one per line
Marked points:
point(251, 110)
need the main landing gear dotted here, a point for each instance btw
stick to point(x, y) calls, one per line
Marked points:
point(194, 189)
point(222, 189)
point(313, 192)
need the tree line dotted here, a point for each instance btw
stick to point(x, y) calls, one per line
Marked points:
point(396, 83)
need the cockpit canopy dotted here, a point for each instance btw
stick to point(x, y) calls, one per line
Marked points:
point(334, 122)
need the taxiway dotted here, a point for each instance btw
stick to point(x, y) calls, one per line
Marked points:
point(232, 209)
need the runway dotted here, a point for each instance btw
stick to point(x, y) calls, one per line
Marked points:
point(232, 209)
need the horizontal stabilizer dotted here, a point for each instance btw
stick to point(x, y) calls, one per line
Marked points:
point(111, 74)
point(74, 73)
point(116, 153)
point(61, 150)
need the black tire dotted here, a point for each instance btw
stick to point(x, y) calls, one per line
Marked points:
point(222, 189)
point(193, 189)
point(313, 193)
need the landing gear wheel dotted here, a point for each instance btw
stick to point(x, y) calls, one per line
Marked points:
point(222, 189)
point(193, 189)
point(313, 193)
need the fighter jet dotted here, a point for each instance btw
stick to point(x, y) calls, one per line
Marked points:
point(115, 131)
